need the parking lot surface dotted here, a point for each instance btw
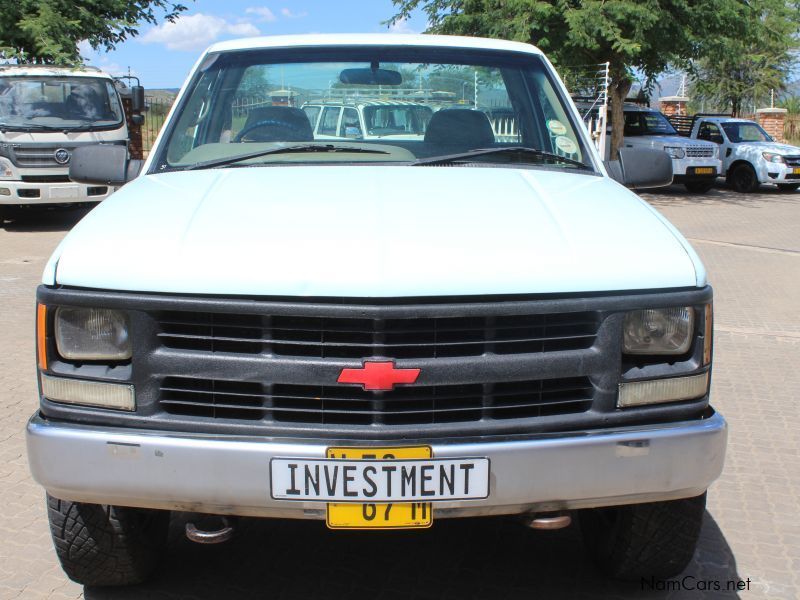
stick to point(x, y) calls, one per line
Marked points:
point(751, 247)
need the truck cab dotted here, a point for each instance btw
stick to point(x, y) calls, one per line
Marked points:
point(374, 333)
point(750, 157)
point(45, 114)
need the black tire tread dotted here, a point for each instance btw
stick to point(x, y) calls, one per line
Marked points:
point(656, 539)
point(101, 545)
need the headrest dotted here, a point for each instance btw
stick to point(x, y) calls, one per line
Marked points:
point(460, 127)
point(278, 124)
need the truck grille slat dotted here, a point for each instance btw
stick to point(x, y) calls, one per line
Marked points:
point(351, 405)
point(334, 337)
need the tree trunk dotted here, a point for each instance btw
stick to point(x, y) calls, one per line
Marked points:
point(620, 86)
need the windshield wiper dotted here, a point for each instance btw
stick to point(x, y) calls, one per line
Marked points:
point(520, 151)
point(28, 127)
point(221, 162)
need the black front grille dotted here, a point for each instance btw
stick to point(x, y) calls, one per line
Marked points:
point(350, 405)
point(46, 178)
point(792, 161)
point(340, 337)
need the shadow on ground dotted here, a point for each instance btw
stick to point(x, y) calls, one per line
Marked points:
point(461, 559)
point(44, 219)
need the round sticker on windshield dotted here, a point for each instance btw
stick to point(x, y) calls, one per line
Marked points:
point(556, 127)
point(566, 145)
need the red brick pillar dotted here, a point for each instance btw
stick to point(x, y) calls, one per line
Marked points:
point(772, 120)
point(673, 105)
point(134, 131)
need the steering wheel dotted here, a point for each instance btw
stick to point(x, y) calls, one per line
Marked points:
point(293, 130)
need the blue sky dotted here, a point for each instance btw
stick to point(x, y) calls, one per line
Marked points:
point(162, 56)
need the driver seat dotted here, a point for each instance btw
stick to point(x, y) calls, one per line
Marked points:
point(278, 124)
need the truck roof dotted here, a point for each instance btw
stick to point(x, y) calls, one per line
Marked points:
point(371, 39)
point(51, 70)
point(724, 119)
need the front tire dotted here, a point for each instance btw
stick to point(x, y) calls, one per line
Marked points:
point(657, 539)
point(744, 179)
point(788, 187)
point(101, 545)
point(699, 187)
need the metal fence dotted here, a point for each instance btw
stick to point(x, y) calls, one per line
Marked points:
point(156, 109)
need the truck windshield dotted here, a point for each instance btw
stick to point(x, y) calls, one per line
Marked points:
point(62, 103)
point(647, 123)
point(403, 104)
point(746, 132)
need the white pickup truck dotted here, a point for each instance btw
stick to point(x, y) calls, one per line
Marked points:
point(45, 113)
point(750, 157)
point(373, 334)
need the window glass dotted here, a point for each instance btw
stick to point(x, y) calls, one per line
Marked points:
point(59, 103)
point(330, 120)
point(415, 102)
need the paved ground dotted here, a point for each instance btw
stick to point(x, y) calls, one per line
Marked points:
point(751, 247)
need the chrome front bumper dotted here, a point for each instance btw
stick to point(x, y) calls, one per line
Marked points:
point(230, 474)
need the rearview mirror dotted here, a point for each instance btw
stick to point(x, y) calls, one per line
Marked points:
point(105, 164)
point(641, 168)
point(137, 98)
point(370, 77)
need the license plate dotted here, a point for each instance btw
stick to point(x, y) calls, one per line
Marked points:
point(796, 171)
point(360, 483)
point(704, 171)
point(64, 192)
point(397, 515)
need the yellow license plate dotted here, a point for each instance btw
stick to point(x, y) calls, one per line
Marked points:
point(796, 171)
point(404, 515)
point(704, 171)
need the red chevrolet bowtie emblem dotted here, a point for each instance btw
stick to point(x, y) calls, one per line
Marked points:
point(378, 375)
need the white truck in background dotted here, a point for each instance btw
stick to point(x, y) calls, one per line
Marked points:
point(45, 113)
point(695, 164)
point(750, 157)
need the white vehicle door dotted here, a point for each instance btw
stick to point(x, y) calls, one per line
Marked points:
point(711, 132)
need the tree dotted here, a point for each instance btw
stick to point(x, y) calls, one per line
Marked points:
point(739, 71)
point(49, 31)
point(635, 36)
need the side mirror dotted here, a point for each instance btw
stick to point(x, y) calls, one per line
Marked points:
point(137, 98)
point(137, 119)
point(641, 168)
point(104, 164)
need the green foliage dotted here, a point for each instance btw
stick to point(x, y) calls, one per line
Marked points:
point(48, 31)
point(644, 36)
point(791, 104)
point(740, 71)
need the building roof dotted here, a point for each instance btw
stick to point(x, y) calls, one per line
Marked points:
point(371, 39)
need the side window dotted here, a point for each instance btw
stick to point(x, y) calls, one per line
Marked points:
point(709, 131)
point(350, 127)
point(330, 120)
point(633, 124)
point(312, 112)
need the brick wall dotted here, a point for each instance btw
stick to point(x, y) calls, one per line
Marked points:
point(673, 105)
point(772, 120)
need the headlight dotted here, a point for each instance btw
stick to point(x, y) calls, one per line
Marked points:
point(772, 157)
point(675, 152)
point(92, 334)
point(658, 331)
point(6, 170)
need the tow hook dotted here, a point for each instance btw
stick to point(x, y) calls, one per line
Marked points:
point(547, 521)
point(208, 536)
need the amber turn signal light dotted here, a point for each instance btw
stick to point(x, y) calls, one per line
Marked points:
point(41, 335)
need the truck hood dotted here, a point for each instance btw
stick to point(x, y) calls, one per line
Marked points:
point(373, 231)
point(659, 141)
point(776, 147)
